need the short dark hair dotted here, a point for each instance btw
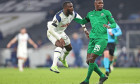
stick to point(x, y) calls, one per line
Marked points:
point(65, 3)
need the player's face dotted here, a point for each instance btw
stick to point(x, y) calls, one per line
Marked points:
point(23, 31)
point(69, 8)
point(75, 36)
point(99, 5)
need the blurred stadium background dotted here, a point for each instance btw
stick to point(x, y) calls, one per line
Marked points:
point(34, 14)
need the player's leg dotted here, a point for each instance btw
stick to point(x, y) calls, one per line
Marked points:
point(20, 64)
point(90, 62)
point(106, 61)
point(111, 59)
point(21, 61)
point(95, 49)
point(57, 52)
point(100, 45)
point(91, 45)
point(66, 50)
point(111, 53)
point(93, 67)
point(22, 56)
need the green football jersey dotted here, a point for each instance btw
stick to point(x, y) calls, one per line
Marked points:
point(97, 20)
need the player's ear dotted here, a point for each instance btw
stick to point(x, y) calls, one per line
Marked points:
point(65, 7)
point(94, 3)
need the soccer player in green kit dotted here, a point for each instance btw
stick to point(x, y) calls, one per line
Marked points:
point(99, 19)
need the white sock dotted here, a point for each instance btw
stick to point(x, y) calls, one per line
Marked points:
point(57, 53)
point(20, 64)
point(65, 54)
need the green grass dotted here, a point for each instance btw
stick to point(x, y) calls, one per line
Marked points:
point(67, 76)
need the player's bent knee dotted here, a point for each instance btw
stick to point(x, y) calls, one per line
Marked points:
point(92, 58)
point(87, 61)
point(91, 61)
point(61, 46)
point(58, 44)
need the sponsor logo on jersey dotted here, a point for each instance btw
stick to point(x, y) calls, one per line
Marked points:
point(102, 14)
point(65, 25)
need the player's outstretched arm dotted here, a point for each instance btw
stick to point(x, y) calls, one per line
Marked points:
point(51, 30)
point(11, 42)
point(80, 21)
point(83, 21)
point(32, 43)
point(111, 20)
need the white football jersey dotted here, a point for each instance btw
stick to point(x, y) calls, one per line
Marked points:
point(22, 41)
point(61, 21)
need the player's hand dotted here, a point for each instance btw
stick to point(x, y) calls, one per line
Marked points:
point(87, 34)
point(107, 26)
point(35, 46)
point(62, 41)
point(8, 45)
point(110, 33)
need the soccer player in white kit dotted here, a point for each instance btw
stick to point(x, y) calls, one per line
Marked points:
point(57, 36)
point(22, 39)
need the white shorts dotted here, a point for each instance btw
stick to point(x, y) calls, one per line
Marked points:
point(22, 53)
point(62, 35)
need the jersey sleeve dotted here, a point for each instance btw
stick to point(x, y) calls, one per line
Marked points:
point(118, 31)
point(56, 20)
point(53, 24)
point(111, 20)
point(16, 37)
point(28, 36)
point(82, 21)
point(79, 17)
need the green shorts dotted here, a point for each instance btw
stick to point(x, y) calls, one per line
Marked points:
point(97, 46)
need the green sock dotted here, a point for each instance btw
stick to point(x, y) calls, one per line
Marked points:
point(98, 71)
point(90, 70)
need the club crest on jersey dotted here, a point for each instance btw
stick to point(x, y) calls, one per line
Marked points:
point(102, 14)
point(55, 21)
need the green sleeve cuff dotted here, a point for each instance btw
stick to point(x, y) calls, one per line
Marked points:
point(80, 21)
point(113, 25)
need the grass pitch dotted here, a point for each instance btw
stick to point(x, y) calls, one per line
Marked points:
point(67, 76)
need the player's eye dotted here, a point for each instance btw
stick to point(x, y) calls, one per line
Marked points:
point(101, 3)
